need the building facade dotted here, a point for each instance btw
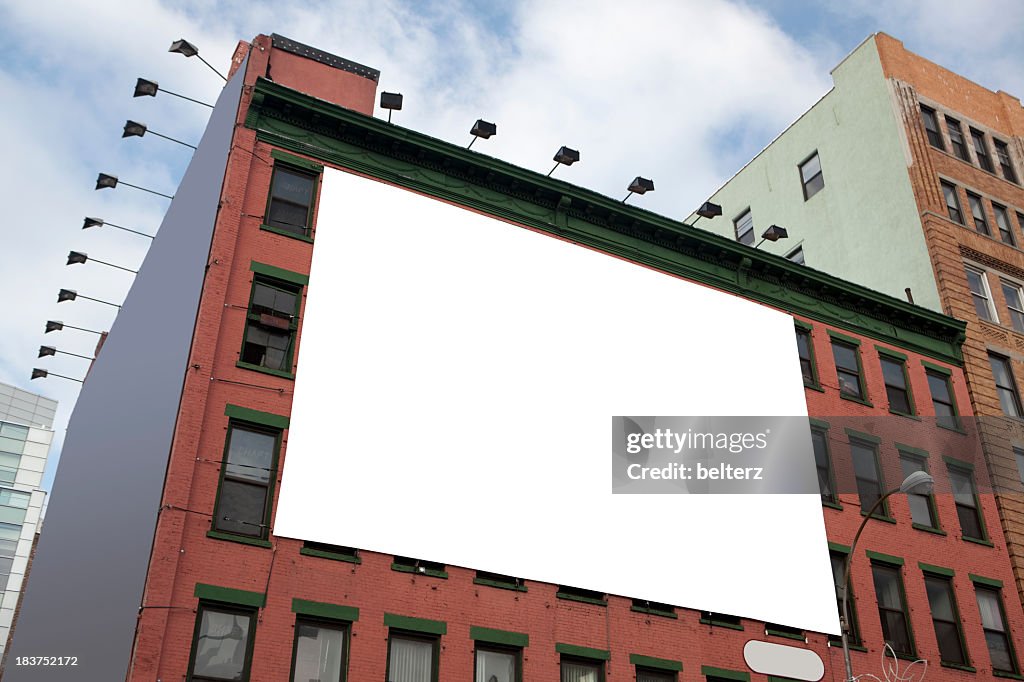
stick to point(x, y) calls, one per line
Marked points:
point(205, 589)
point(26, 432)
point(906, 177)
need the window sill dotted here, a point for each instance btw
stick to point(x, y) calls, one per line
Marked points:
point(265, 370)
point(832, 505)
point(429, 572)
point(905, 414)
point(582, 600)
point(653, 612)
point(786, 635)
point(1009, 676)
point(814, 387)
point(852, 399)
point(241, 539)
point(837, 642)
point(907, 657)
point(954, 429)
point(720, 624)
point(499, 585)
point(928, 529)
point(959, 666)
point(977, 541)
point(880, 517)
point(330, 555)
point(286, 233)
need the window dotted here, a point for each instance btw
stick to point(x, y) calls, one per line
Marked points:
point(931, 127)
point(956, 136)
point(823, 462)
point(993, 622)
point(1019, 453)
point(271, 324)
point(1003, 156)
point(952, 203)
point(721, 619)
point(968, 510)
point(848, 370)
point(978, 212)
point(978, 283)
point(892, 608)
point(981, 151)
point(319, 651)
point(1003, 223)
point(805, 349)
point(945, 619)
point(796, 255)
point(243, 500)
point(505, 582)
point(581, 595)
point(649, 675)
point(922, 507)
point(291, 200)
point(838, 560)
point(1020, 221)
point(744, 225)
point(412, 658)
point(1006, 387)
point(222, 648)
point(897, 390)
point(404, 564)
point(581, 670)
point(1015, 302)
point(869, 477)
point(810, 174)
point(9, 535)
point(497, 664)
point(654, 608)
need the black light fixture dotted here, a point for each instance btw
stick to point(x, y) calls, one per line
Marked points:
point(708, 210)
point(639, 186)
point(56, 326)
point(105, 180)
point(148, 88)
point(72, 295)
point(392, 101)
point(50, 351)
point(186, 48)
point(98, 222)
point(80, 258)
point(136, 129)
point(773, 234)
point(42, 374)
point(566, 157)
point(482, 129)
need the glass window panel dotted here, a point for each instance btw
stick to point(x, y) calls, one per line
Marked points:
point(940, 599)
point(847, 369)
point(9, 531)
point(896, 385)
point(803, 344)
point(222, 645)
point(5, 564)
point(819, 440)
point(1020, 462)
point(654, 676)
point(838, 566)
point(412, 660)
point(250, 454)
point(950, 647)
point(1015, 302)
point(495, 666)
point(1003, 155)
point(12, 445)
point(931, 127)
point(745, 228)
point(7, 475)
point(14, 498)
point(9, 459)
point(979, 292)
point(288, 217)
point(319, 653)
point(8, 548)
point(12, 515)
point(920, 505)
point(865, 466)
point(978, 213)
point(999, 651)
point(241, 508)
point(956, 136)
point(578, 671)
point(978, 138)
point(952, 203)
point(1005, 386)
point(1003, 223)
point(293, 187)
point(14, 431)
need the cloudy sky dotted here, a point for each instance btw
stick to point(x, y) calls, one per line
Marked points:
point(682, 91)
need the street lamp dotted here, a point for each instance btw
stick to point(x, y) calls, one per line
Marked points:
point(920, 483)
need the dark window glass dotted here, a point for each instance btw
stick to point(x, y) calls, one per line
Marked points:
point(993, 622)
point(291, 200)
point(221, 648)
point(319, 652)
point(838, 566)
point(869, 478)
point(978, 213)
point(720, 618)
point(810, 174)
point(922, 507)
point(579, 670)
point(966, 498)
point(744, 228)
point(896, 390)
point(981, 151)
point(946, 619)
point(807, 368)
point(244, 497)
point(952, 203)
point(496, 665)
point(648, 675)
point(931, 127)
point(979, 293)
point(847, 358)
point(892, 608)
point(411, 658)
point(823, 462)
point(956, 137)
point(1015, 302)
point(270, 327)
point(1003, 155)
point(1005, 385)
point(797, 255)
point(1003, 223)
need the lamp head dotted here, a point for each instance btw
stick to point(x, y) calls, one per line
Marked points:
point(184, 47)
point(92, 222)
point(53, 326)
point(66, 295)
point(77, 258)
point(134, 129)
point(483, 129)
point(39, 373)
point(391, 100)
point(566, 156)
point(103, 181)
point(919, 482)
point(146, 88)
point(641, 185)
point(709, 210)
point(47, 351)
point(775, 233)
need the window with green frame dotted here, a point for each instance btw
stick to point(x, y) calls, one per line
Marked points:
point(869, 476)
point(897, 385)
point(412, 657)
point(848, 370)
point(291, 199)
point(946, 619)
point(805, 349)
point(581, 670)
point(271, 324)
point(946, 414)
point(222, 644)
point(246, 480)
point(321, 650)
point(968, 505)
point(993, 622)
point(892, 608)
point(823, 463)
point(922, 507)
point(838, 562)
point(497, 663)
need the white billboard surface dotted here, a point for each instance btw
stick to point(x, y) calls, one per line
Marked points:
point(455, 385)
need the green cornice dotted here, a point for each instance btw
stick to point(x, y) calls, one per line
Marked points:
point(306, 125)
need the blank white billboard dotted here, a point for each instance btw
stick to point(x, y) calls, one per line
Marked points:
point(455, 386)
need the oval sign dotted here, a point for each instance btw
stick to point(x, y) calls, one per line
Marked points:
point(783, 661)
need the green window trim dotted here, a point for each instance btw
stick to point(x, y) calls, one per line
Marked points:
point(937, 368)
point(978, 541)
point(297, 161)
point(901, 359)
point(982, 580)
point(958, 463)
point(844, 338)
point(241, 539)
point(318, 609)
point(936, 570)
point(885, 558)
point(889, 352)
point(261, 540)
point(815, 380)
point(653, 611)
point(352, 558)
point(419, 570)
point(801, 637)
point(819, 424)
point(503, 637)
point(265, 370)
point(569, 596)
point(285, 233)
point(278, 273)
point(957, 666)
point(1009, 676)
point(583, 652)
point(229, 595)
point(256, 417)
point(514, 584)
point(710, 671)
point(800, 324)
point(294, 165)
point(656, 663)
point(911, 450)
point(860, 435)
point(928, 529)
point(412, 624)
point(715, 622)
point(836, 547)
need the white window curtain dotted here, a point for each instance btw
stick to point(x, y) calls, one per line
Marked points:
point(580, 672)
point(495, 666)
point(412, 660)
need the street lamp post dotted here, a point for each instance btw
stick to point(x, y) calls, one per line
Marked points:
point(919, 482)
